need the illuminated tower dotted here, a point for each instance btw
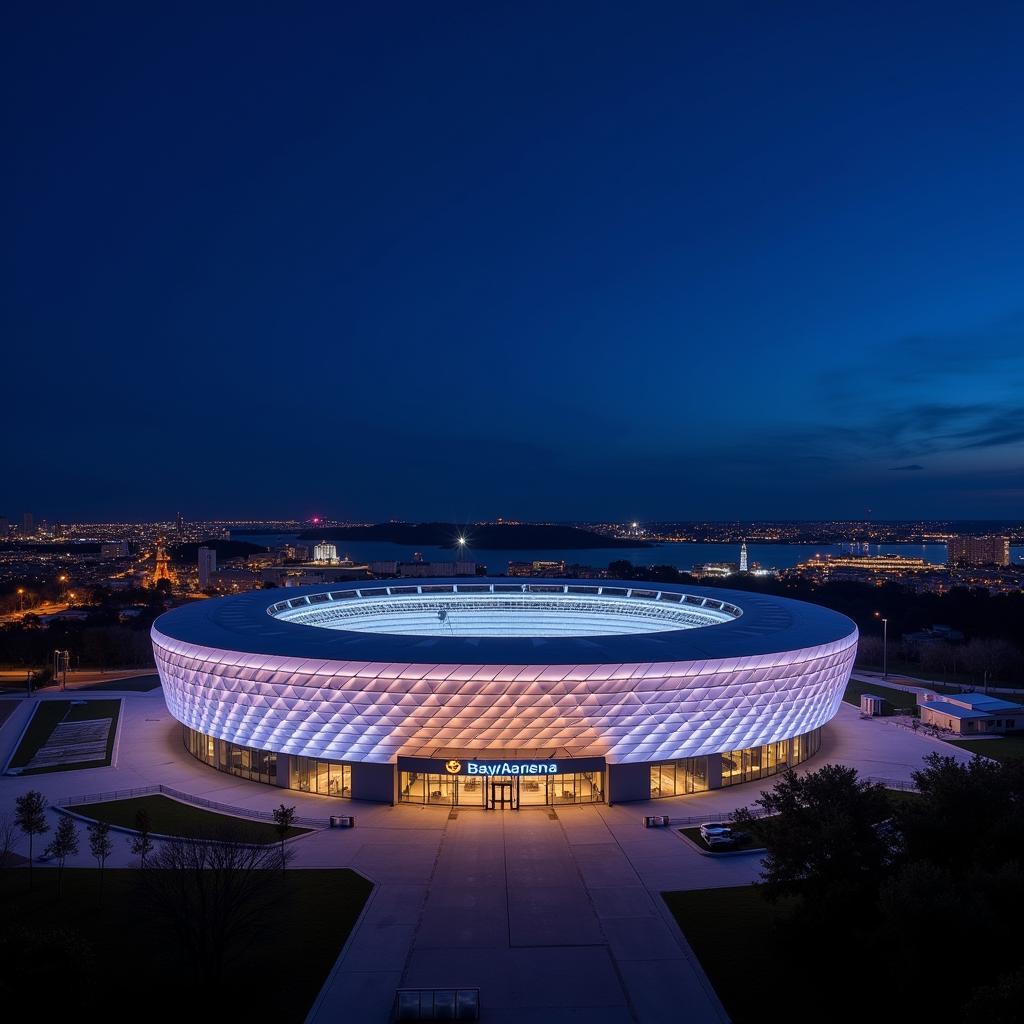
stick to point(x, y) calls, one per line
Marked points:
point(743, 557)
point(162, 565)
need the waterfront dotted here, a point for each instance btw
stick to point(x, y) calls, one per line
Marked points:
point(681, 556)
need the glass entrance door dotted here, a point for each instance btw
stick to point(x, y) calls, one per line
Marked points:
point(503, 795)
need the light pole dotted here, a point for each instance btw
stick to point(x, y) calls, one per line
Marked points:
point(60, 661)
point(885, 645)
point(21, 599)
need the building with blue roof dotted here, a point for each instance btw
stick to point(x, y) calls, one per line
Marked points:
point(971, 713)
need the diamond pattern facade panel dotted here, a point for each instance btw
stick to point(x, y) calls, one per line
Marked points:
point(378, 711)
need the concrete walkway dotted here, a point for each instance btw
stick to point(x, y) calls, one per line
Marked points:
point(548, 917)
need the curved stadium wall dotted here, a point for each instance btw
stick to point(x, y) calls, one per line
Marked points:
point(379, 691)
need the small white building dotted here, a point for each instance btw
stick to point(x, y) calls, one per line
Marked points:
point(970, 713)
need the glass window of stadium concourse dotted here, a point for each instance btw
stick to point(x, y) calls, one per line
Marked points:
point(761, 762)
point(245, 762)
point(327, 778)
point(677, 778)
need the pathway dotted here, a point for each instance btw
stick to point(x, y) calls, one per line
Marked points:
point(547, 916)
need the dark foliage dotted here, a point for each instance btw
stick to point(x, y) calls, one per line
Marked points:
point(927, 892)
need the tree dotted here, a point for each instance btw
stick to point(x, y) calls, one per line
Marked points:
point(7, 827)
point(822, 834)
point(30, 816)
point(959, 872)
point(939, 656)
point(63, 845)
point(101, 847)
point(968, 815)
point(283, 818)
point(214, 895)
point(869, 651)
point(999, 1003)
point(142, 843)
point(989, 659)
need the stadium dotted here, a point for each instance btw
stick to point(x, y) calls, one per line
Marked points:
point(500, 694)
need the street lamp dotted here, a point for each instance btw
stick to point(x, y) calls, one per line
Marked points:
point(885, 645)
point(61, 660)
point(21, 599)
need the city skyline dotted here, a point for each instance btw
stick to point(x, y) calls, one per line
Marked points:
point(462, 264)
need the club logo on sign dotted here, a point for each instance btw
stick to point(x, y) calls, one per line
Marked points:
point(453, 767)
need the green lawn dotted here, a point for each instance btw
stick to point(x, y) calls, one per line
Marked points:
point(7, 708)
point(172, 818)
point(902, 796)
point(48, 715)
point(1006, 748)
point(80, 961)
point(913, 668)
point(139, 684)
point(731, 931)
point(897, 698)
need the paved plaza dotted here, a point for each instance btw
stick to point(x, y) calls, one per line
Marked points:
point(554, 916)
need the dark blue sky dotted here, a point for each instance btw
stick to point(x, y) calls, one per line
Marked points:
point(536, 260)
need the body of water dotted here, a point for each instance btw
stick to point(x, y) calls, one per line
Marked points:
point(682, 556)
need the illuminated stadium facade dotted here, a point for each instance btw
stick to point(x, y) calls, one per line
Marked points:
point(501, 694)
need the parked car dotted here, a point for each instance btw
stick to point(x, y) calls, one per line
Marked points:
point(720, 841)
point(714, 828)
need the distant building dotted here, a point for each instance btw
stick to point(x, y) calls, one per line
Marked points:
point(538, 567)
point(885, 564)
point(934, 634)
point(325, 554)
point(5, 528)
point(714, 570)
point(304, 575)
point(542, 567)
point(115, 549)
point(427, 570)
point(262, 559)
point(28, 524)
point(970, 713)
point(988, 550)
point(207, 566)
point(743, 557)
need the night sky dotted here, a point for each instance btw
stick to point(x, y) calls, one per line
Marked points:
point(558, 261)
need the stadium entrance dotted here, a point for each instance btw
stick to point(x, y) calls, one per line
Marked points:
point(500, 785)
point(503, 795)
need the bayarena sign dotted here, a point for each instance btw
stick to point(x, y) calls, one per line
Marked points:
point(501, 693)
point(511, 768)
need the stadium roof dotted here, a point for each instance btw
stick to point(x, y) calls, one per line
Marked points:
point(768, 625)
